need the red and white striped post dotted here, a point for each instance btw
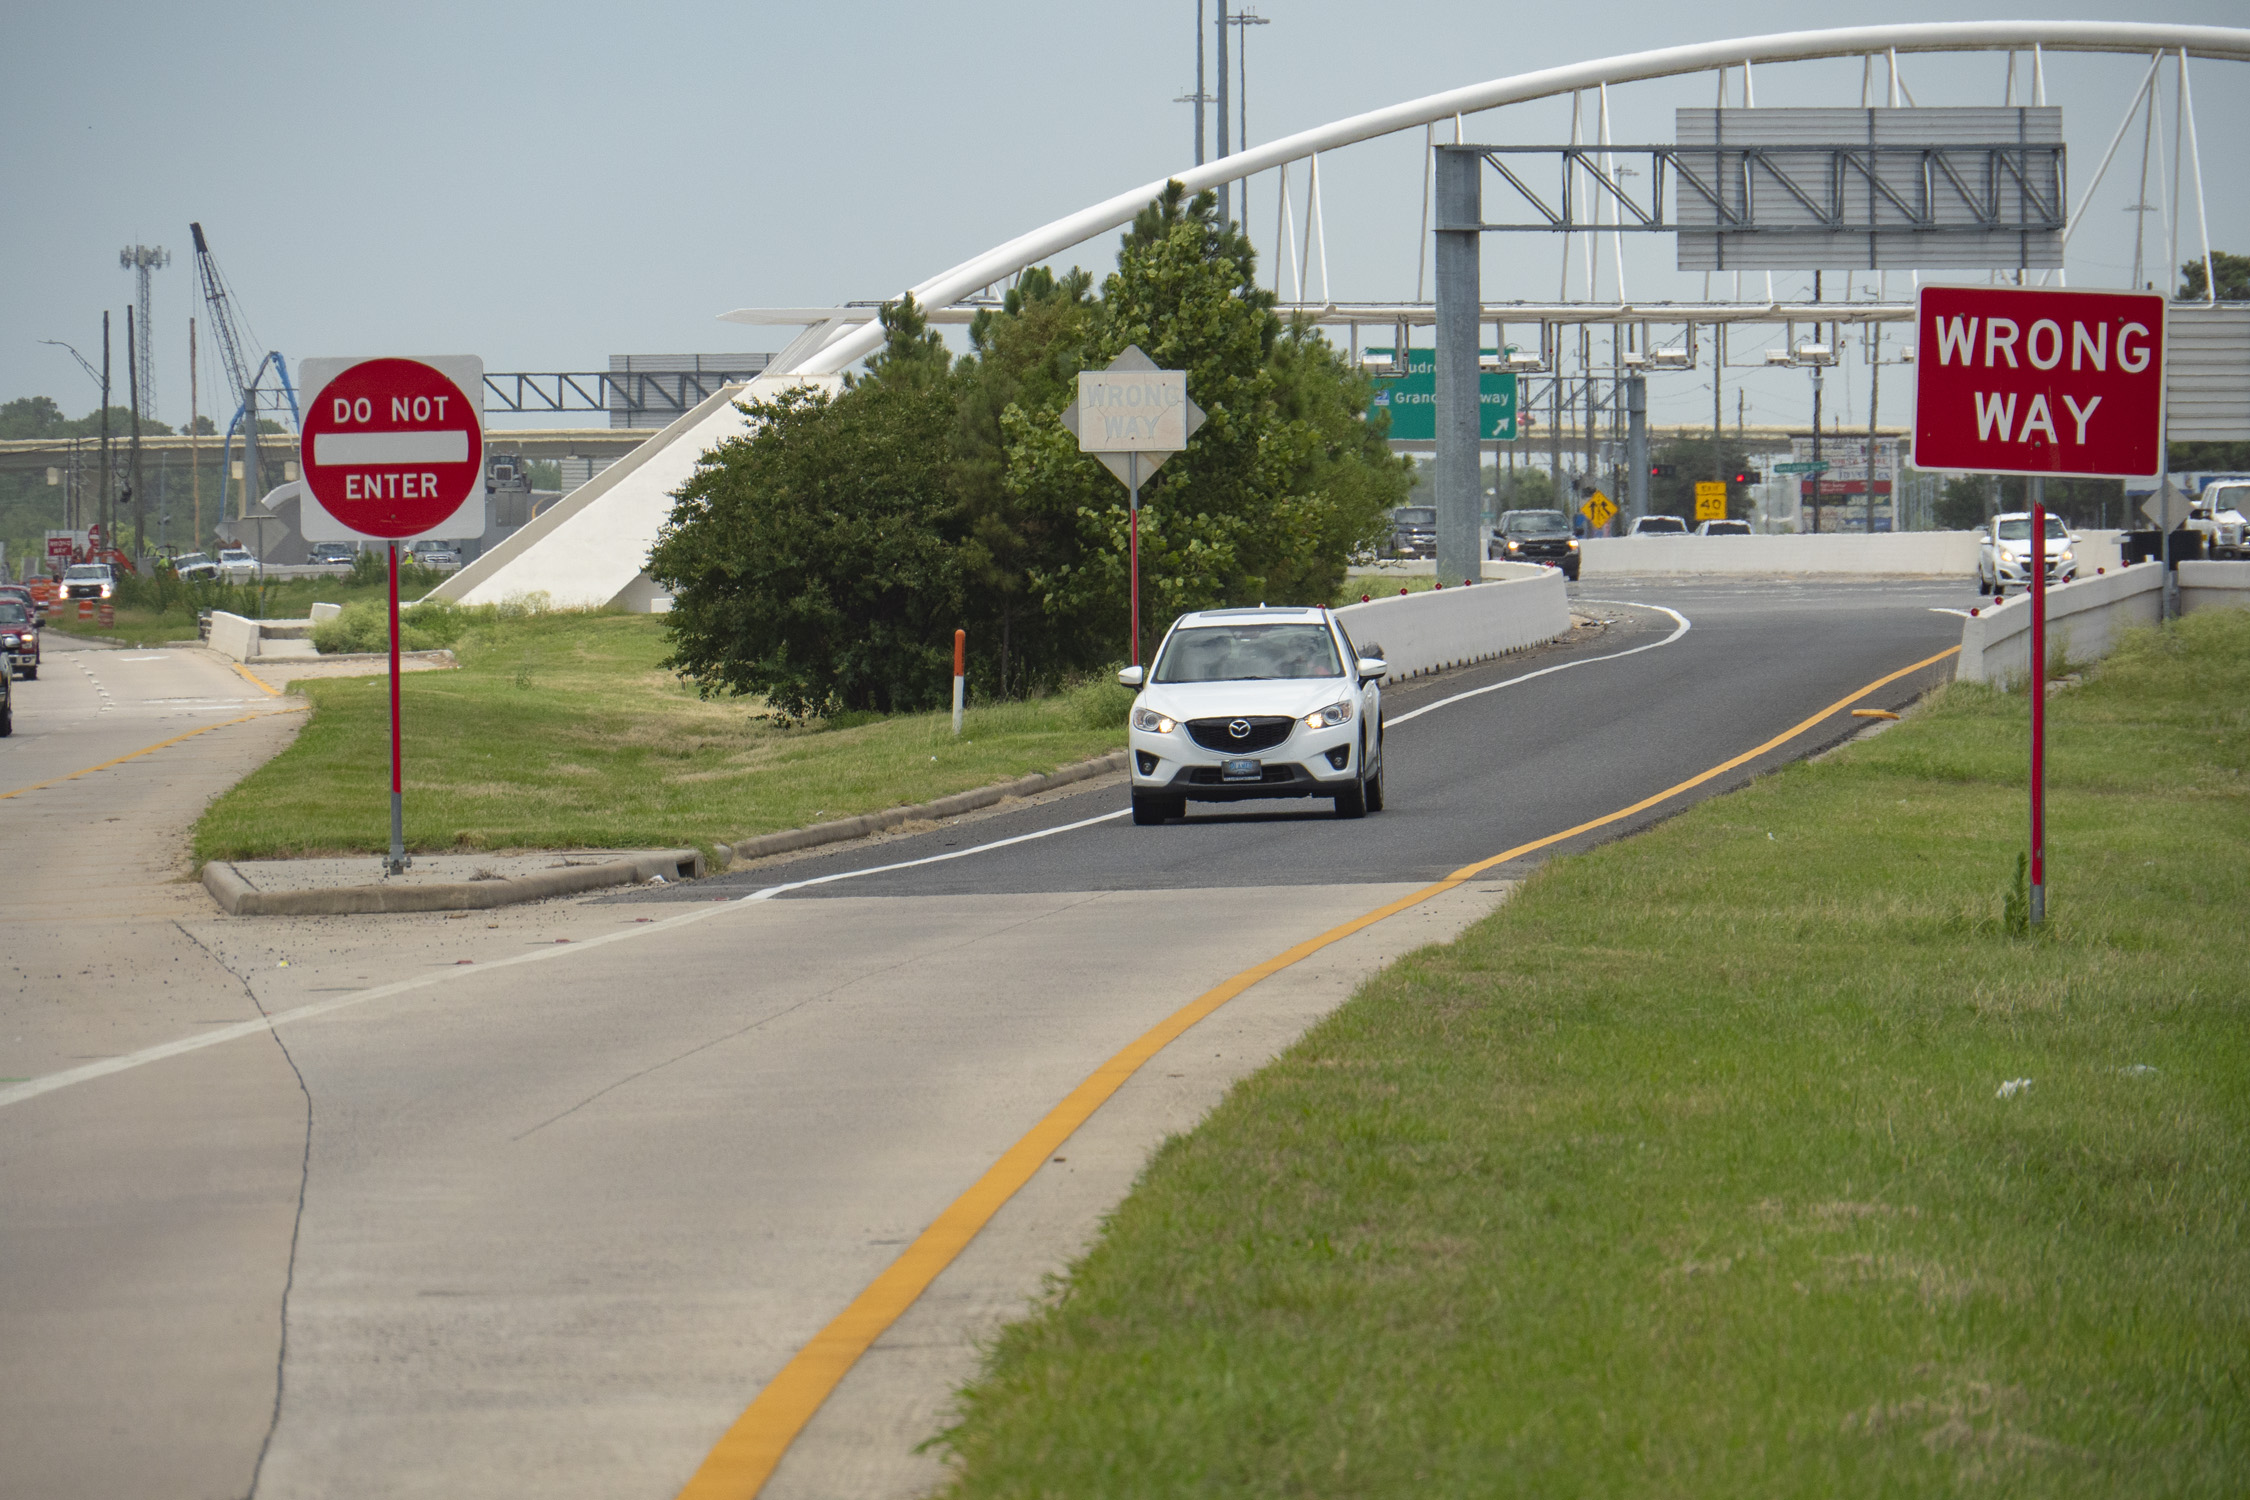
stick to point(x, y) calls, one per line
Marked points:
point(2038, 703)
point(960, 675)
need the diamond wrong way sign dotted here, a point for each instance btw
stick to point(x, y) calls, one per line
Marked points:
point(2015, 380)
point(393, 448)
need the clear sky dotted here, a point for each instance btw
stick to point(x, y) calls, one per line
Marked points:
point(546, 185)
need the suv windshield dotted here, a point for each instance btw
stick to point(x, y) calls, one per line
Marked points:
point(2020, 531)
point(1648, 524)
point(1238, 653)
point(1414, 515)
point(88, 570)
point(12, 612)
point(1534, 520)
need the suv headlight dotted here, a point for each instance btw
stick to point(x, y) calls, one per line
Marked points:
point(1149, 721)
point(1573, 544)
point(1331, 716)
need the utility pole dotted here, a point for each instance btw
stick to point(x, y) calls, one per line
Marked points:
point(1199, 98)
point(1718, 403)
point(195, 442)
point(1819, 476)
point(133, 467)
point(1241, 21)
point(107, 510)
point(1874, 401)
point(1226, 189)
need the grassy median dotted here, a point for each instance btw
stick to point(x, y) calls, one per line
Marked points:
point(1695, 1170)
point(561, 730)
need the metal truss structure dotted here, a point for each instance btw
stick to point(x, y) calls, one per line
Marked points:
point(657, 393)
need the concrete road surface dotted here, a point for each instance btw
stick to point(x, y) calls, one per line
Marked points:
point(578, 1179)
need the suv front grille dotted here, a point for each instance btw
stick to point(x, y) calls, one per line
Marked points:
point(1217, 734)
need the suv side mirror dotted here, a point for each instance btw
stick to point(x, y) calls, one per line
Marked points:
point(1132, 677)
point(1373, 667)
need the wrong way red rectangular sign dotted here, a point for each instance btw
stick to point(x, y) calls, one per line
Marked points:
point(2012, 380)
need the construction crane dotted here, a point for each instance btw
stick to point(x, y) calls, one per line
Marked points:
point(242, 375)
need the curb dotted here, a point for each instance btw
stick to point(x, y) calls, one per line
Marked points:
point(237, 897)
point(792, 839)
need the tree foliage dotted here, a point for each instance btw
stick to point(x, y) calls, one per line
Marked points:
point(2234, 278)
point(821, 563)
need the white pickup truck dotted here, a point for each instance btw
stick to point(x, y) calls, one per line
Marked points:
point(2218, 514)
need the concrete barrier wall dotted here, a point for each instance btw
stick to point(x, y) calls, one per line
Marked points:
point(233, 635)
point(2084, 620)
point(2214, 585)
point(1909, 553)
point(1441, 628)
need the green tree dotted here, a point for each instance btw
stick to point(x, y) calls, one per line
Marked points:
point(2234, 278)
point(1282, 482)
point(1690, 461)
point(813, 562)
point(1963, 502)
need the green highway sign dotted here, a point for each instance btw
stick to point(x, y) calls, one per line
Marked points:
point(1411, 399)
point(1800, 468)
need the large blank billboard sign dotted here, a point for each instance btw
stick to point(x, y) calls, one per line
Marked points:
point(393, 448)
point(2015, 381)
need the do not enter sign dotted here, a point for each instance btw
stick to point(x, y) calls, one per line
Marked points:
point(2011, 380)
point(393, 448)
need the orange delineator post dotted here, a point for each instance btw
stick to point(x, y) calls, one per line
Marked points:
point(960, 674)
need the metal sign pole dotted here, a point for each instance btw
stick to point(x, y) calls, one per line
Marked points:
point(2038, 701)
point(1133, 491)
point(398, 861)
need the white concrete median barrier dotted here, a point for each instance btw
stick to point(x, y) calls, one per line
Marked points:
point(1902, 553)
point(1440, 628)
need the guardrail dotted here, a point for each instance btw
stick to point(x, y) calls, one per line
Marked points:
point(2084, 618)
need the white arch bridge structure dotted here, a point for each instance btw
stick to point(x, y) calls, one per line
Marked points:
point(1592, 343)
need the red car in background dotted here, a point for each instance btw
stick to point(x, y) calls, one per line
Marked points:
point(19, 634)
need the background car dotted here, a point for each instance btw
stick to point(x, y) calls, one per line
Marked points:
point(1659, 526)
point(1414, 531)
point(1253, 703)
point(239, 565)
point(19, 637)
point(1541, 536)
point(337, 555)
point(1723, 528)
point(89, 581)
point(2004, 553)
point(194, 566)
point(443, 556)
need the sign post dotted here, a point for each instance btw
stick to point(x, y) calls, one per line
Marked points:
point(2012, 380)
point(1133, 416)
point(393, 449)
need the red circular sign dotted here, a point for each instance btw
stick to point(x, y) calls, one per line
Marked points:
point(392, 447)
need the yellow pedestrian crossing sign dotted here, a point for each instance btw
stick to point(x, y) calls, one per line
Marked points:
point(1598, 509)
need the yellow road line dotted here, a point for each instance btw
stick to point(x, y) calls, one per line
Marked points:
point(741, 1462)
point(145, 750)
point(258, 682)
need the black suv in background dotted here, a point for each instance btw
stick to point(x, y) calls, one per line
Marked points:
point(1540, 536)
point(1414, 531)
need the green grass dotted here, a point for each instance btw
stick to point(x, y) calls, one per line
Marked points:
point(560, 730)
point(1684, 1173)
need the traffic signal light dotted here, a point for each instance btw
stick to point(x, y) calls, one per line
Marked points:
point(1744, 476)
point(1663, 471)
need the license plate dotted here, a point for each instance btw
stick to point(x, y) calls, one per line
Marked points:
point(1241, 770)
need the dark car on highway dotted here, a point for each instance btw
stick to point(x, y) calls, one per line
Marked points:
point(1540, 536)
point(1414, 531)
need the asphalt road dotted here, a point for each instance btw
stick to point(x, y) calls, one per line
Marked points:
point(1640, 705)
point(536, 1201)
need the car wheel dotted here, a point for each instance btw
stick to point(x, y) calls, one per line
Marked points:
point(1374, 783)
point(7, 720)
point(1570, 571)
point(1352, 802)
point(1148, 808)
point(31, 674)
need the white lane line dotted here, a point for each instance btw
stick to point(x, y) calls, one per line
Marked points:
point(47, 1084)
point(1494, 687)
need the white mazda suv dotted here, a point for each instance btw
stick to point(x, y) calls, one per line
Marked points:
point(1244, 703)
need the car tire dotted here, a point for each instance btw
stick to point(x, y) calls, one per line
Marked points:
point(1352, 802)
point(1155, 808)
point(31, 674)
point(7, 721)
point(1570, 570)
point(1374, 783)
